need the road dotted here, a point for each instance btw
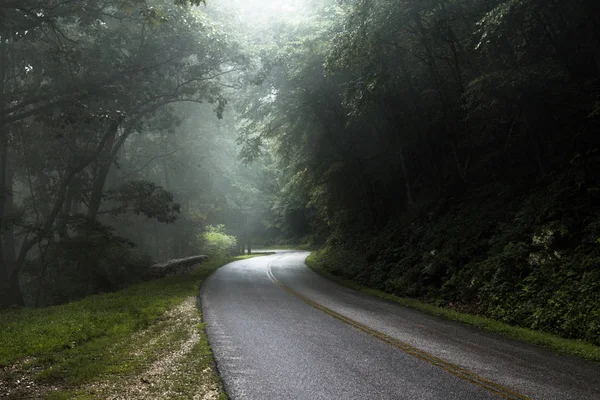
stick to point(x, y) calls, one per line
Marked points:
point(280, 331)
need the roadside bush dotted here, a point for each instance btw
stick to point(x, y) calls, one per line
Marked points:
point(217, 243)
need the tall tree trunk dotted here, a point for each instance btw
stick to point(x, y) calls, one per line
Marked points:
point(97, 191)
point(10, 289)
point(458, 49)
point(106, 159)
point(6, 298)
point(9, 232)
point(63, 219)
point(435, 78)
point(14, 295)
point(431, 64)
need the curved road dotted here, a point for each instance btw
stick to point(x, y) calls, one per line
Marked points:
point(280, 331)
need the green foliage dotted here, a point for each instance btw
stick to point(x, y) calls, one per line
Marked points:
point(445, 148)
point(217, 243)
point(526, 260)
point(113, 72)
point(147, 198)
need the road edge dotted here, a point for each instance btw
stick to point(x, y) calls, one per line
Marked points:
point(223, 395)
point(576, 348)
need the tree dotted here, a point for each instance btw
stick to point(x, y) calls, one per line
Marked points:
point(124, 62)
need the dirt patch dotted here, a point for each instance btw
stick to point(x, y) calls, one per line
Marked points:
point(167, 377)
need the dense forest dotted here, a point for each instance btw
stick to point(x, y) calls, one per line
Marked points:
point(117, 148)
point(446, 150)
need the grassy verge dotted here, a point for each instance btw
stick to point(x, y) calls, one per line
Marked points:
point(112, 343)
point(553, 342)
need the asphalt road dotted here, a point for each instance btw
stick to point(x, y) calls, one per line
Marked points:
point(280, 331)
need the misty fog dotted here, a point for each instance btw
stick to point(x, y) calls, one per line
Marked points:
point(445, 150)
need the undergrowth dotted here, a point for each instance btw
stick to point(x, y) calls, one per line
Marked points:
point(335, 265)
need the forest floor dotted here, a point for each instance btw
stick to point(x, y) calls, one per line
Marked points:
point(145, 342)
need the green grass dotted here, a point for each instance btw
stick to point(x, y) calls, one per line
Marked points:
point(556, 343)
point(93, 339)
point(39, 332)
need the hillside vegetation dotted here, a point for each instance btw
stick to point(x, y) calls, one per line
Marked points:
point(445, 150)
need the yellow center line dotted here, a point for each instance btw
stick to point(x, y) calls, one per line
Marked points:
point(454, 369)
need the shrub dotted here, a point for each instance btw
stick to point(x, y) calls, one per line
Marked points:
point(217, 243)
